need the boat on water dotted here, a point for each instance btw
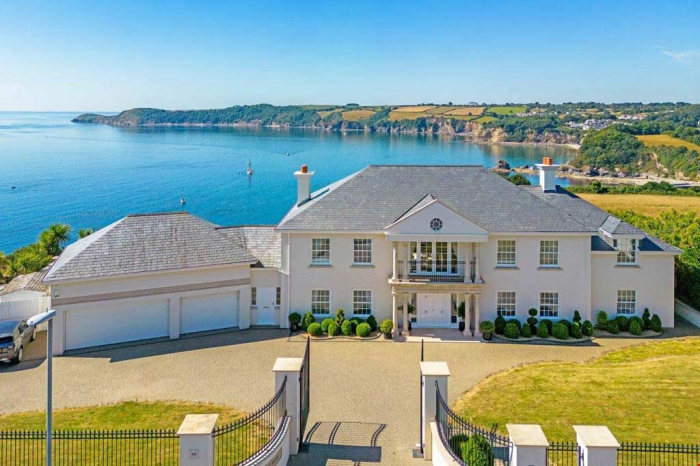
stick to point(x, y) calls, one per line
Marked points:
point(249, 171)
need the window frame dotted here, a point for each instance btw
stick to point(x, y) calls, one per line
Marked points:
point(627, 302)
point(371, 301)
point(314, 251)
point(539, 305)
point(369, 251)
point(329, 302)
point(514, 252)
point(278, 296)
point(253, 295)
point(626, 253)
point(541, 252)
point(514, 303)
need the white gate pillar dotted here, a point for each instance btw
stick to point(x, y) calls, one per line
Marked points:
point(196, 441)
point(431, 372)
point(528, 445)
point(291, 368)
point(598, 445)
point(477, 313)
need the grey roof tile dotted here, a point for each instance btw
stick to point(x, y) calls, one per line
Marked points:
point(262, 241)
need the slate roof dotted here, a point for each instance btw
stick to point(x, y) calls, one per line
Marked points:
point(377, 196)
point(147, 243)
point(260, 240)
point(30, 282)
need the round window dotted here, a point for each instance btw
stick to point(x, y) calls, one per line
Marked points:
point(436, 224)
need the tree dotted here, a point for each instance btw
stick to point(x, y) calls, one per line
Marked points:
point(83, 232)
point(519, 180)
point(53, 238)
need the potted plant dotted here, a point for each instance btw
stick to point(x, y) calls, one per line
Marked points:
point(461, 311)
point(294, 320)
point(386, 328)
point(487, 328)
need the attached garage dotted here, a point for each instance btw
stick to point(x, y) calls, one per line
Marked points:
point(116, 321)
point(209, 312)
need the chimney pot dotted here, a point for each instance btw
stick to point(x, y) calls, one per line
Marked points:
point(547, 160)
point(305, 168)
point(303, 177)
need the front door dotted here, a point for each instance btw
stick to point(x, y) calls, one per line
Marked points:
point(433, 310)
point(266, 306)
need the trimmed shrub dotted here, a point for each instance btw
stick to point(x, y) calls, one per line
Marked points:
point(635, 328)
point(542, 330)
point(372, 322)
point(549, 325)
point(646, 318)
point(486, 326)
point(526, 331)
point(587, 328)
point(477, 451)
point(560, 331)
point(656, 323)
point(346, 328)
point(567, 323)
point(500, 324)
point(294, 318)
point(623, 323)
point(516, 322)
point(315, 329)
point(333, 329)
point(307, 320)
point(355, 321)
point(511, 331)
point(577, 317)
point(339, 317)
point(601, 320)
point(363, 330)
point(326, 322)
point(613, 327)
point(576, 331)
point(638, 320)
point(532, 320)
point(387, 326)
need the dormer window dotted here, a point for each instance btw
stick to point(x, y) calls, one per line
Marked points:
point(626, 251)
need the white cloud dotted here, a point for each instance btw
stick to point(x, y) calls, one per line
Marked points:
point(683, 56)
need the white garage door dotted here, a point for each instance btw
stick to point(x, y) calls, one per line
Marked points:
point(209, 312)
point(116, 322)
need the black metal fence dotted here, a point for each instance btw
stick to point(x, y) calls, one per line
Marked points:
point(564, 454)
point(431, 271)
point(469, 445)
point(304, 402)
point(247, 438)
point(91, 447)
point(657, 454)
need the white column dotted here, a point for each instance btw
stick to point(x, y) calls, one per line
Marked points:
point(406, 266)
point(394, 255)
point(477, 275)
point(405, 314)
point(529, 445)
point(393, 312)
point(196, 441)
point(467, 315)
point(477, 312)
point(291, 368)
point(598, 445)
point(431, 372)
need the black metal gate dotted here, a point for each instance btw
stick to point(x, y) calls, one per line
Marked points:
point(420, 395)
point(564, 454)
point(304, 377)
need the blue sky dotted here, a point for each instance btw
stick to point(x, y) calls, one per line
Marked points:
point(64, 55)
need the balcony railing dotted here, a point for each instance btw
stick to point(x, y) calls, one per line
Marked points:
point(432, 271)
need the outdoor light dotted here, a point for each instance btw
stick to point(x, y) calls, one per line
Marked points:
point(35, 321)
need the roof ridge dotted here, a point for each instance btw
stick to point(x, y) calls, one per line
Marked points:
point(244, 225)
point(437, 165)
point(155, 214)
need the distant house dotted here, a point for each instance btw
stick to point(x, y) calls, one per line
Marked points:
point(23, 287)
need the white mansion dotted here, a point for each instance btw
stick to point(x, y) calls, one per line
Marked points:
point(408, 243)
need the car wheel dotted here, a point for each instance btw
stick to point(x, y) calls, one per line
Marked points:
point(20, 355)
point(33, 335)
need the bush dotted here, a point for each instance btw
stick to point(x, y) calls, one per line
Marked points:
point(326, 322)
point(656, 323)
point(602, 319)
point(333, 329)
point(339, 317)
point(294, 318)
point(587, 328)
point(511, 331)
point(315, 329)
point(635, 328)
point(560, 331)
point(477, 451)
point(355, 321)
point(372, 322)
point(363, 330)
point(542, 330)
point(526, 331)
point(577, 317)
point(532, 320)
point(613, 327)
point(549, 325)
point(646, 318)
point(500, 324)
point(346, 328)
point(387, 326)
point(308, 320)
point(576, 331)
point(637, 319)
point(486, 326)
point(623, 323)
point(567, 323)
point(516, 322)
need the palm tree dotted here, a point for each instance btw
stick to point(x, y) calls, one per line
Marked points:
point(83, 232)
point(54, 237)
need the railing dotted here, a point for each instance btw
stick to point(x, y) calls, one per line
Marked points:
point(431, 271)
point(246, 439)
point(90, 447)
point(564, 454)
point(657, 454)
point(469, 445)
point(304, 390)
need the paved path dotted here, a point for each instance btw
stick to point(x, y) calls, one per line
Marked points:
point(364, 395)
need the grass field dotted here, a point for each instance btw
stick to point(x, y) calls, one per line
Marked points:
point(655, 140)
point(440, 110)
point(415, 108)
point(506, 110)
point(325, 113)
point(356, 115)
point(463, 111)
point(394, 115)
point(647, 393)
point(484, 119)
point(647, 204)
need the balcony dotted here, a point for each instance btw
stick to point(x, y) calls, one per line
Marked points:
point(416, 271)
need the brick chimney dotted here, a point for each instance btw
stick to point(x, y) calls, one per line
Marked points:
point(303, 177)
point(548, 180)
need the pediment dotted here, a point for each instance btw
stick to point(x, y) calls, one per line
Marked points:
point(432, 217)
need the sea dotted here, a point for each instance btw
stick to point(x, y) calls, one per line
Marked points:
point(88, 176)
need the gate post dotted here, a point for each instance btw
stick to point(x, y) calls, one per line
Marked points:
point(431, 372)
point(196, 441)
point(290, 368)
point(598, 445)
point(528, 445)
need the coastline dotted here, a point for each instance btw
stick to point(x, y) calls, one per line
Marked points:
point(568, 172)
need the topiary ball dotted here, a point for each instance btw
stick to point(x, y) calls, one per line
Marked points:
point(514, 321)
point(542, 330)
point(656, 323)
point(612, 327)
point(315, 329)
point(363, 330)
point(587, 328)
point(576, 331)
point(526, 331)
point(511, 331)
point(333, 329)
point(560, 331)
point(325, 324)
point(636, 328)
point(346, 328)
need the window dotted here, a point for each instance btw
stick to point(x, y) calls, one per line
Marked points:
point(320, 251)
point(320, 301)
point(506, 304)
point(441, 256)
point(363, 251)
point(549, 304)
point(361, 302)
point(626, 302)
point(549, 253)
point(253, 296)
point(278, 296)
point(627, 251)
point(506, 253)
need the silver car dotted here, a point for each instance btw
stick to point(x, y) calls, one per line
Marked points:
point(15, 335)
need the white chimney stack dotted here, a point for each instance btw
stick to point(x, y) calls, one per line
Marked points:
point(303, 177)
point(548, 180)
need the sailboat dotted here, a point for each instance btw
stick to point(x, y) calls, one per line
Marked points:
point(249, 170)
point(182, 200)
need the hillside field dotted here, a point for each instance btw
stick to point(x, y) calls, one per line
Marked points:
point(505, 110)
point(655, 140)
point(356, 115)
point(647, 204)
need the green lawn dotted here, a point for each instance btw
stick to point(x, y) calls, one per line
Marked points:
point(642, 393)
point(506, 110)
